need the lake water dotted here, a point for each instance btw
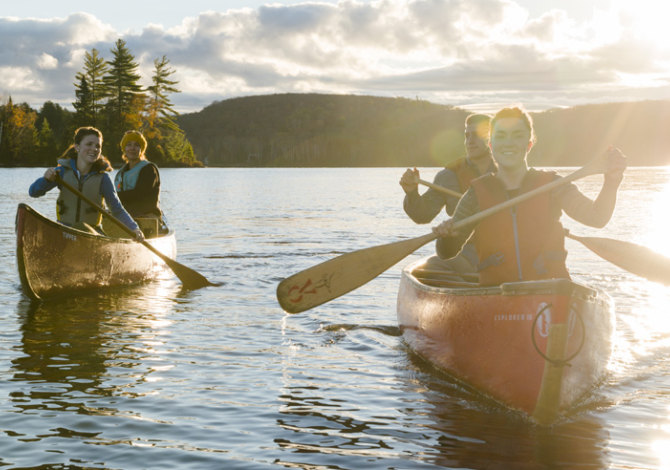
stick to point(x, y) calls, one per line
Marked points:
point(153, 377)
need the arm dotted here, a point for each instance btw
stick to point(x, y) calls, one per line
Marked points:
point(599, 212)
point(111, 199)
point(46, 183)
point(451, 243)
point(422, 209)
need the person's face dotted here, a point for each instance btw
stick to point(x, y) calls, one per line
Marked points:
point(88, 150)
point(477, 141)
point(133, 150)
point(510, 143)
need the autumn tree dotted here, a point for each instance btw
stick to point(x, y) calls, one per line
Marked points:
point(19, 137)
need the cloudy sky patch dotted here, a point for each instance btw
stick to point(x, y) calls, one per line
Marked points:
point(458, 52)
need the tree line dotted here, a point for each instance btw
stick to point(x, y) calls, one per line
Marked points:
point(305, 130)
point(108, 96)
point(318, 130)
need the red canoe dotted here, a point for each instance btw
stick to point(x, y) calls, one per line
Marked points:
point(533, 346)
point(54, 259)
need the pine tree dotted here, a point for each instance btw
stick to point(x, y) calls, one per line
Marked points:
point(160, 111)
point(126, 100)
point(95, 67)
point(83, 105)
point(46, 144)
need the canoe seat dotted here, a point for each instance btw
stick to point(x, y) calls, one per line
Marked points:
point(438, 278)
point(446, 283)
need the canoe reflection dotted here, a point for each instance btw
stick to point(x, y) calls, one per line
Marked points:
point(475, 432)
point(78, 351)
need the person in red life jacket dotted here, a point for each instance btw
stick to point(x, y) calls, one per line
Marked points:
point(457, 175)
point(83, 166)
point(525, 242)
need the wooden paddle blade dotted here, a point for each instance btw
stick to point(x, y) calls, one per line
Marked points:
point(633, 258)
point(190, 279)
point(334, 278)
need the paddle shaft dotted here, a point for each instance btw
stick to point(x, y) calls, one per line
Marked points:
point(581, 173)
point(338, 276)
point(633, 258)
point(442, 189)
point(190, 278)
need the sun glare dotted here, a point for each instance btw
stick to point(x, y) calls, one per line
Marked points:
point(656, 238)
point(648, 19)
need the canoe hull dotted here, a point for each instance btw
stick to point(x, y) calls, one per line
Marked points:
point(509, 342)
point(55, 260)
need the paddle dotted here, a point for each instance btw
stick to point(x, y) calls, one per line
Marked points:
point(630, 257)
point(633, 258)
point(190, 278)
point(442, 189)
point(338, 276)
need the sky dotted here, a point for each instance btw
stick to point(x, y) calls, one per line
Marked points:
point(477, 54)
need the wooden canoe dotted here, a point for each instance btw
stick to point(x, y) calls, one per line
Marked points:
point(534, 346)
point(55, 260)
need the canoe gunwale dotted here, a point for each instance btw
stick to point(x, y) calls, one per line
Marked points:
point(566, 287)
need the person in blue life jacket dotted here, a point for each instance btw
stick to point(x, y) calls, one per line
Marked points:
point(138, 182)
point(83, 166)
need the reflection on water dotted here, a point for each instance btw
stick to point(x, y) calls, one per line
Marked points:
point(156, 377)
point(72, 346)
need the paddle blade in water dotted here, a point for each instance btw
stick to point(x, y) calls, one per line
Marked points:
point(334, 278)
point(190, 279)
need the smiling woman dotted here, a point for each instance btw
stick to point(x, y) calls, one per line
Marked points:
point(527, 242)
point(83, 166)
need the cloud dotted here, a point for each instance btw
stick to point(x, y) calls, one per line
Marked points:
point(451, 51)
point(46, 62)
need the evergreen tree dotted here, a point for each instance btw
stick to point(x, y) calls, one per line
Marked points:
point(160, 111)
point(47, 147)
point(92, 86)
point(60, 122)
point(83, 105)
point(125, 98)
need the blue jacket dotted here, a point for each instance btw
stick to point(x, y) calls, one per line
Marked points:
point(42, 186)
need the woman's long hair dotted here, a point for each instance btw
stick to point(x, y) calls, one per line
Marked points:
point(102, 163)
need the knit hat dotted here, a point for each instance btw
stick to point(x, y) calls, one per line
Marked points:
point(137, 137)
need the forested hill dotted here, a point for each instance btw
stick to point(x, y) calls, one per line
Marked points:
point(347, 130)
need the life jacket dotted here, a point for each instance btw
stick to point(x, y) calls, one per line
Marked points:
point(464, 172)
point(69, 208)
point(126, 179)
point(523, 243)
